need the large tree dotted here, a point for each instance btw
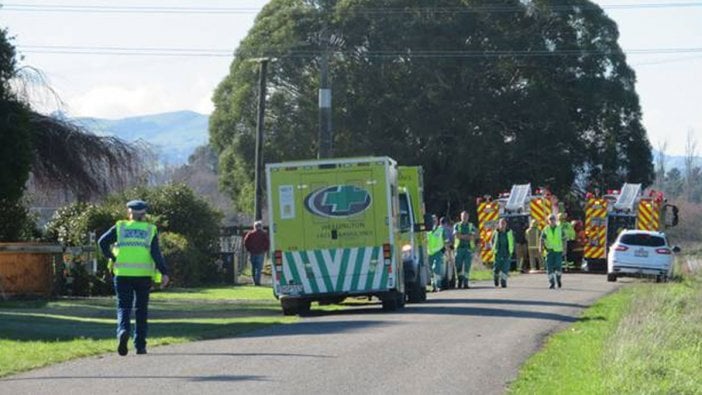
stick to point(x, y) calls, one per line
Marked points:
point(483, 96)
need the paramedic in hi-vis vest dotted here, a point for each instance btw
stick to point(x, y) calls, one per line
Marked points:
point(136, 260)
point(552, 242)
point(437, 241)
point(503, 248)
point(464, 234)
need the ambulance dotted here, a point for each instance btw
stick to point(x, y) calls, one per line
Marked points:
point(414, 242)
point(336, 231)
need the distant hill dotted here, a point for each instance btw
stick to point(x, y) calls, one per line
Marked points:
point(174, 135)
point(674, 161)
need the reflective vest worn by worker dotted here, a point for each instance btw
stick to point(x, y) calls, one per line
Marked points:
point(553, 238)
point(510, 242)
point(464, 229)
point(568, 231)
point(133, 250)
point(435, 240)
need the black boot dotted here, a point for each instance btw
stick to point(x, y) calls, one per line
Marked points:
point(558, 280)
point(497, 281)
point(503, 283)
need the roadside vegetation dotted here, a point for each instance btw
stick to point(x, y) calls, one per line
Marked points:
point(39, 333)
point(644, 339)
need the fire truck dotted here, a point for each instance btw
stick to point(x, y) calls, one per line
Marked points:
point(628, 208)
point(518, 207)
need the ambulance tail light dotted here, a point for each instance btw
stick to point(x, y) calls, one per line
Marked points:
point(387, 251)
point(278, 257)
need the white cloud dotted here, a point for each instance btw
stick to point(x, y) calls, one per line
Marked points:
point(116, 102)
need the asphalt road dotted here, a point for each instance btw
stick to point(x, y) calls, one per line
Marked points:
point(461, 341)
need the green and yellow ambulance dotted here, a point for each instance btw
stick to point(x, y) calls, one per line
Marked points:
point(414, 248)
point(335, 231)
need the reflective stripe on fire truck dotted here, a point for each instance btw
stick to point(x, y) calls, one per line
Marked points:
point(488, 214)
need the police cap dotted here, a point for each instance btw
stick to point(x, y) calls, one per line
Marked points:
point(137, 205)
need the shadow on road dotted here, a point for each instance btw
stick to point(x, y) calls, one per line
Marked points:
point(216, 378)
point(425, 308)
point(321, 328)
point(243, 354)
point(504, 302)
point(489, 312)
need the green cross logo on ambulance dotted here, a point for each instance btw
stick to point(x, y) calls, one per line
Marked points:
point(339, 201)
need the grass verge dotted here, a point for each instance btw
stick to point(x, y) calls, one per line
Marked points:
point(39, 333)
point(644, 339)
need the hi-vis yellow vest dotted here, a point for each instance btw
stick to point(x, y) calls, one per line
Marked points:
point(435, 240)
point(510, 241)
point(457, 229)
point(553, 238)
point(133, 249)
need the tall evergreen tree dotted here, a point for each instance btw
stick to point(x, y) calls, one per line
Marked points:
point(482, 96)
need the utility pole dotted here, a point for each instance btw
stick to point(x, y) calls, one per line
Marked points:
point(325, 107)
point(258, 174)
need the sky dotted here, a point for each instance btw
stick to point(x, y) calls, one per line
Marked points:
point(114, 86)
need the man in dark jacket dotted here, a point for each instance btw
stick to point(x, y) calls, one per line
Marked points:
point(257, 243)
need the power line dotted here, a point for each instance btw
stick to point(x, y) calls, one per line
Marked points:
point(494, 8)
point(409, 53)
point(668, 61)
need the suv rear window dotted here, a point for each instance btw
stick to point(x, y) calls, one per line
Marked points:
point(642, 239)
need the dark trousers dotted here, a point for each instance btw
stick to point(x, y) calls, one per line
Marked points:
point(257, 267)
point(133, 291)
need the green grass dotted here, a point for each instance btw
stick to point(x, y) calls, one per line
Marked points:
point(481, 275)
point(39, 333)
point(644, 339)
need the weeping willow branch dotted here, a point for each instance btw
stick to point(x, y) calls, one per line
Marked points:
point(68, 157)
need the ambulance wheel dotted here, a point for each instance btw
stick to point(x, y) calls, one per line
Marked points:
point(390, 302)
point(611, 277)
point(401, 300)
point(422, 294)
point(289, 308)
point(304, 307)
point(414, 294)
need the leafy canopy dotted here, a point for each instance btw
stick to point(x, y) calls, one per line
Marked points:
point(481, 96)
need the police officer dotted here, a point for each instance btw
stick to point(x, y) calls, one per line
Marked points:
point(503, 248)
point(552, 242)
point(464, 234)
point(136, 259)
point(436, 246)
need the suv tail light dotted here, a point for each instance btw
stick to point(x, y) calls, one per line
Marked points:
point(663, 251)
point(621, 248)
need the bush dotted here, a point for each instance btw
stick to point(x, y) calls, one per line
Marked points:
point(175, 208)
point(16, 223)
point(70, 225)
point(188, 229)
point(186, 263)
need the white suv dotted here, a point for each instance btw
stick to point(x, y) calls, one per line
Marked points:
point(639, 253)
